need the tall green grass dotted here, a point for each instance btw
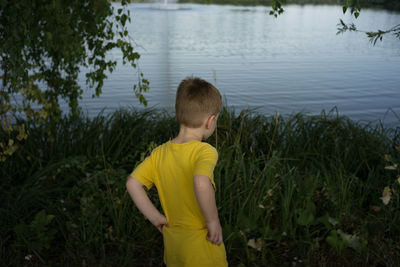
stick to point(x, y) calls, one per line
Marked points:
point(292, 189)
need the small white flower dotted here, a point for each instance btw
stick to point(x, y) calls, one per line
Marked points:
point(332, 221)
point(386, 195)
point(256, 244)
point(28, 257)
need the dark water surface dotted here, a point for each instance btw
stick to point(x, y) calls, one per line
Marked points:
point(290, 64)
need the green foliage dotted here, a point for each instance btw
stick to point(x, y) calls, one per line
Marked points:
point(378, 35)
point(277, 8)
point(340, 240)
point(45, 45)
point(373, 36)
point(36, 236)
point(304, 189)
point(354, 6)
point(390, 190)
point(307, 215)
point(335, 241)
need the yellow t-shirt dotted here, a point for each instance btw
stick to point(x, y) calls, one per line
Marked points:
point(171, 168)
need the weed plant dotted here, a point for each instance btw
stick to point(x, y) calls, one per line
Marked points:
point(294, 190)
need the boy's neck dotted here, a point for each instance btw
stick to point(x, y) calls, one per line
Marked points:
point(187, 134)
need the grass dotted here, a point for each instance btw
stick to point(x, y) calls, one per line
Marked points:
point(298, 189)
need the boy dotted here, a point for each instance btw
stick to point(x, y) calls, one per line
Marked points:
point(182, 171)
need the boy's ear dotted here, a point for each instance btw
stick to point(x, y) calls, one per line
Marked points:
point(209, 121)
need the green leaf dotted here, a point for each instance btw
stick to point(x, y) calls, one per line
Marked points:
point(351, 240)
point(335, 241)
point(124, 17)
point(387, 158)
point(307, 215)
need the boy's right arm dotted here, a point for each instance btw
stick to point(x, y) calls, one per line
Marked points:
point(144, 204)
point(206, 198)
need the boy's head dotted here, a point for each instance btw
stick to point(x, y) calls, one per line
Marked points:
point(196, 99)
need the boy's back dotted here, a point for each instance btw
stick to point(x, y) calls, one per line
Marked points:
point(171, 168)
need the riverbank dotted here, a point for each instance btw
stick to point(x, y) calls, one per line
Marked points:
point(304, 190)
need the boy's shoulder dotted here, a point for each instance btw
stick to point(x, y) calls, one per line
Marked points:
point(158, 148)
point(198, 146)
point(208, 146)
point(207, 150)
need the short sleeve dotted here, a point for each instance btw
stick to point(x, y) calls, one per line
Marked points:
point(206, 161)
point(145, 172)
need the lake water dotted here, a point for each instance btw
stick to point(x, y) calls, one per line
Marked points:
point(290, 64)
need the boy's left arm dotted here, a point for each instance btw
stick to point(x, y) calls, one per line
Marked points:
point(144, 204)
point(205, 196)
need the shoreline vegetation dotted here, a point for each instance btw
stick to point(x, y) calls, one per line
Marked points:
point(298, 190)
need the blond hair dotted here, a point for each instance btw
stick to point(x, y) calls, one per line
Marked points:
point(195, 100)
